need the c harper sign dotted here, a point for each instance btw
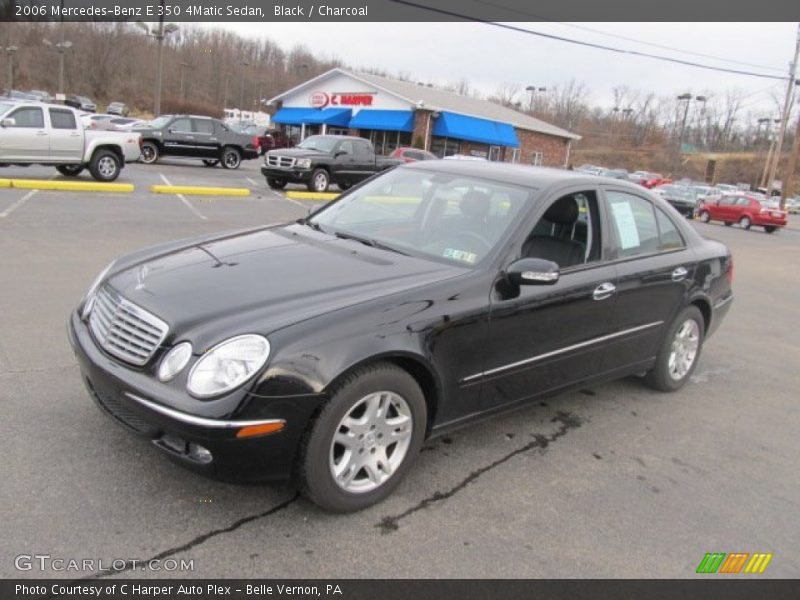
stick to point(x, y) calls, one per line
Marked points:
point(323, 99)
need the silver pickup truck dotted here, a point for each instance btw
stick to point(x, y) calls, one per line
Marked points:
point(51, 134)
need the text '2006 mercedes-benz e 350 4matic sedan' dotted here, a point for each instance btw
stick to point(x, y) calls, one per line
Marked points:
point(328, 349)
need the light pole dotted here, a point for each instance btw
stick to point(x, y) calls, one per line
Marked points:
point(10, 50)
point(225, 90)
point(159, 33)
point(184, 66)
point(687, 98)
point(533, 89)
point(60, 47)
point(243, 64)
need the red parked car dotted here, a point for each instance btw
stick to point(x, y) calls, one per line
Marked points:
point(272, 140)
point(654, 180)
point(745, 210)
point(410, 155)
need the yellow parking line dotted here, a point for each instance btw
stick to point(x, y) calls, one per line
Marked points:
point(70, 186)
point(193, 190)
point(312, 195)
point(5, 183)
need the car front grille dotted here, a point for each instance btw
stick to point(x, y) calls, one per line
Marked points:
point(285, 162)
point(117, 409)
point(125, 330)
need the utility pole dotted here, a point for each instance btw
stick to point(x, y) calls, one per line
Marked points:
point(787, 105)
point(687, 98)
point(243, 64)
point(10, 50)
point(159, 33)
point(792, 162)
point(184, 66)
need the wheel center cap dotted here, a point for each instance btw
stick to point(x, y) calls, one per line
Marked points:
point(369, 440)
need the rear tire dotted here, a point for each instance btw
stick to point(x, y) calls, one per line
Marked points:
point(231, 158)
point(70, 170)
point(745, 222)
point(150, 153)
point(362, 443)
point(210, 162)
point(728, 223)
point(770, 228)
point(705, 216)
point(276, 184)
point(105, 165)
point(679, 352)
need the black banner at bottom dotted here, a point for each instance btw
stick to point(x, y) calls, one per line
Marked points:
point(399, 589)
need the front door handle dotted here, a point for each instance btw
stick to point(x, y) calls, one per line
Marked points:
point(41, 133)
point(604, 290)
point(679, 274)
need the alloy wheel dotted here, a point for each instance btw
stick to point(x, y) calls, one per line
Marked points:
point(684, 349)
point(371, 442)
point(107, 167)
point(320, 182)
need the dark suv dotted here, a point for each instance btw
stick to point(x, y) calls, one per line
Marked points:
point(190, 136)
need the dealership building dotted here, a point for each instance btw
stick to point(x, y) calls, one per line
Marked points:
point(393, 113)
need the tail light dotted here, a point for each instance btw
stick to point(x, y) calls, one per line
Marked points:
point(256, 142)
point(730, 270)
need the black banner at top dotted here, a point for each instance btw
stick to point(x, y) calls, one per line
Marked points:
point(273, 11)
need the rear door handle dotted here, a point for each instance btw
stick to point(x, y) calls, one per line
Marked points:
point(679, 274)
point(604, 290)
point(41, 133)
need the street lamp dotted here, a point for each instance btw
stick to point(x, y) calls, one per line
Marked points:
point(10, 50)
point(60, 47)
point(159, 33)
point(243, 64)
point(533, 89)
point(687, 98)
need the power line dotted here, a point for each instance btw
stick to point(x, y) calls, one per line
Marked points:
point(587, 44)
point(622, 37)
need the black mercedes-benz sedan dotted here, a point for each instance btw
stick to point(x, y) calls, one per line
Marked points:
point(328, 349)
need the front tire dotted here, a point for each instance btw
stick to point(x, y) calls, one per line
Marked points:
point(745, 222)
point(319, 182)
point(70, 170)
point(105, 165)
point(276, 184)
point(679, 352)
point(150, 153)
point(359, 448)
point(210, 162)
point(770, 228)
point(231, 158)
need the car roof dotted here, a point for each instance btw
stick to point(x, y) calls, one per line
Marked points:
point(524, 175)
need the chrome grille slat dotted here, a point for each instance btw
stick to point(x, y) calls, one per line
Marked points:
point(285, 162)
point(124, 329)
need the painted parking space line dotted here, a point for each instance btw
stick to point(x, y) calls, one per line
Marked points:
point(18, 203)
point(188, 204)
point(252, 181)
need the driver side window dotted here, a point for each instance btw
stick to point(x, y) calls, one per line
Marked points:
point(568, 233)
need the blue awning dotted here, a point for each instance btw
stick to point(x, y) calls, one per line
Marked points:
point(473, 129)
point(389, 120)
point(313, 116)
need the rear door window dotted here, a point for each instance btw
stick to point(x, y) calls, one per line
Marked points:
point(62, 119)
point(633, 221)
point(204, 126)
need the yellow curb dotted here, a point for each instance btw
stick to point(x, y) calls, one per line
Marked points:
point(5, 183)
point(312, 195)
point(192, 190)
point(70, 186)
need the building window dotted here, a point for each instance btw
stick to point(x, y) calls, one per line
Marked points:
point(515, 155)
point(442, 147)
point(537, 158)
point(495, 153)
point(386, 142)
point(337, 131)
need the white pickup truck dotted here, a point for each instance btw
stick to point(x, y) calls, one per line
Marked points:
point(51, 134)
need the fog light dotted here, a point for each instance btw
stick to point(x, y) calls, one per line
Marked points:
point(199, 453)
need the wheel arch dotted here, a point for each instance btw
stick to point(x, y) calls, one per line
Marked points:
point(111, 147)
point(703, 304)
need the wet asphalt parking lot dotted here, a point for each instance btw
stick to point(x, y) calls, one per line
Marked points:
point(610, 481)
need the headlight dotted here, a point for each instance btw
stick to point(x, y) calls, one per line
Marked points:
point(175, 361)
point(88, 302)
point(228, 365)
point(304, 163)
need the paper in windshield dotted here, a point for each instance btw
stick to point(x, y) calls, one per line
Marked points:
point(626, 225)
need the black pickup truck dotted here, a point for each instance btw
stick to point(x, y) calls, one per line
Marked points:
point(190, 136)
point(320, 160)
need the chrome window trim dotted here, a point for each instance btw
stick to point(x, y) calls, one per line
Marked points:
point(564, 350)
point(199, 421)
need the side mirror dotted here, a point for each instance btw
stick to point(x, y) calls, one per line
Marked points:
point(533, 271)
point(8, 122)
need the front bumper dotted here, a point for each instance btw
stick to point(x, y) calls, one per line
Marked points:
point(292, 175)
point(116, 389)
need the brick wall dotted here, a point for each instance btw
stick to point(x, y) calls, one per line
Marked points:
point(553, 149)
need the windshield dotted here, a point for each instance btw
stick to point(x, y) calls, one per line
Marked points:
point(160, 122)
point(453, 218)
point(5, 107)
point(319, 143)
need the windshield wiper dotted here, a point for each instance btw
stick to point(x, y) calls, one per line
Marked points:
point(307, 222)
point(368, 242)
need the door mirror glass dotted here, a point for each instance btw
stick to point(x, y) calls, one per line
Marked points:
point(533, 271)
point(8, 122)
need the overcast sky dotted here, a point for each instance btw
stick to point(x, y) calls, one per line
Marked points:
point(489, 56)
